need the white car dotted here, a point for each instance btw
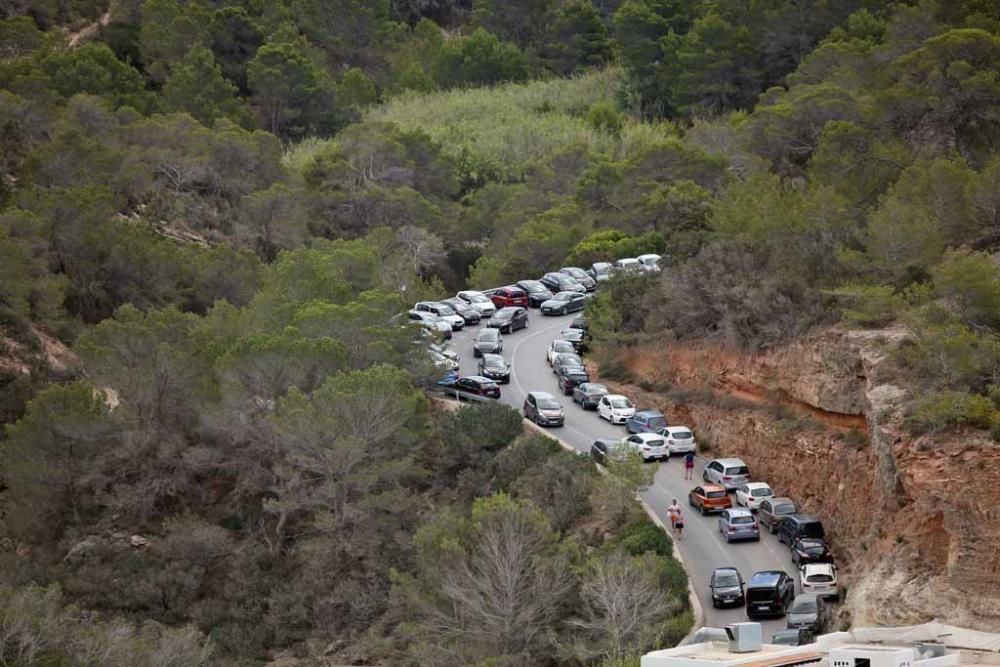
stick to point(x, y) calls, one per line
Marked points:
point(557, 347)
point(442, 310)
point(431, 322)
point(752, 494)
point(479, 301)
point(615, 408)
point(650, 262)
point(627, 265)
point(819, 579)
point(443, 361)
point(648, 445)
point(680, 439)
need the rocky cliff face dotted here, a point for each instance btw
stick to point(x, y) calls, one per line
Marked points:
point(915, 523)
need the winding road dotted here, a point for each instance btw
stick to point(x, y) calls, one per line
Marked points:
point(703, 547)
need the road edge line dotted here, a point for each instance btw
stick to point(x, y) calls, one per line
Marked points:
point(696, 610)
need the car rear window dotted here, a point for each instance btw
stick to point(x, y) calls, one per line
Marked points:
point(741, 519)
point(716, 494)
point(819, 579)
point(761, 493)
point(657, 422)
point(760, 594)
point(681, 435)
point(812, 529)
point(654, 443)
point(737, 470)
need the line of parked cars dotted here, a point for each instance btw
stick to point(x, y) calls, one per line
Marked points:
point(752, 506)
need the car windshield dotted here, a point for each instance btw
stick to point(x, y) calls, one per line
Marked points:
point(741, 519)
point(761, 493)
point(478, 298)
point(737, 470)
point(562, 296)
point(657, 423)
point(715, 494)
point(819, 579)
point(576, 273)
point(621, 403)
point(570, 360)
point(601, 268)
point(571, 334)
point(547, 404)
point(726, 579)
point(504, 314)
point(681, 435)
point(596, 389)
point(812, 547)
point(488, 335)
point(562, 346)
point(495, 362)
point(804, 606)
point(444, 309)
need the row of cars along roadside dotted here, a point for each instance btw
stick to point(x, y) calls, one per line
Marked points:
point(752, 507)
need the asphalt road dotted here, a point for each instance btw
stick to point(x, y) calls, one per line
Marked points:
point(702, 546)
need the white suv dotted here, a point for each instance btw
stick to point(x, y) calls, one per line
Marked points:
point(680, 439)
point(730, 474)
point(819, 579)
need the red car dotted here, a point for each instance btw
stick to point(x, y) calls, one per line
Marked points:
point(509, 296)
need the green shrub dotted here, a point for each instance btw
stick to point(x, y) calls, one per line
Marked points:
point(643, 536)
point(869, 305)
point(945, 409)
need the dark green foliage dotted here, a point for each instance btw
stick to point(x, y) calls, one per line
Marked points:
point(577, 39)
point(479, 59)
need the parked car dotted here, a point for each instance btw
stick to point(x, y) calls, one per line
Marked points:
point(626, 265)
point(769, 593)
point(557, 347)
point(600, 271)
point(792, 637)
point(794, 526)
point(589, 394)
point(738, 524)
point(431, 323)
point(576, 336)
point(488, 341)
point(650, 262)
point(495, 367)
point(479, 301)
point(615, 408)
point(728, 473)
point(580, 276)
point(563, 302)
point(570, 359)
point(511, 295)
point(579, 322)
point(541, 408)
point(771, 510)
point(465, 311)
point(442, 310)
point(726, 586)
point(807, 611)
point(510, 319)
point(473, 387)
point(536, 291)
point(709, 498)
point(646, 421)
point(570, 377)
point(444, 351)
point(679, 439)
point(807, 550)
point(751, 494)
point(649, 446)
point(443, 362)
point(560, 282)
point(603, 449)
point(820, 579)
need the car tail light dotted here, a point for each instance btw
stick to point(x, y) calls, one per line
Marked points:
point(726, 477)
point(732, 529)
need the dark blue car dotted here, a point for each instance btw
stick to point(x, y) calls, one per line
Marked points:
point(646, 421)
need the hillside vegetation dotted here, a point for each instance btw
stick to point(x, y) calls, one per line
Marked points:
point(220, 205)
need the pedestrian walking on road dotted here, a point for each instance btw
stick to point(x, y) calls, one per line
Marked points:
point(673, 512)
point(688, 466)
point(678, 525)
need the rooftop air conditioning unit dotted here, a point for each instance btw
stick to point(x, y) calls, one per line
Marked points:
point(743, 637)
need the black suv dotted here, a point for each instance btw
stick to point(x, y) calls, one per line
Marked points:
point(769, 593)
point(537, 292)
point(569, 377)
point(794, 526)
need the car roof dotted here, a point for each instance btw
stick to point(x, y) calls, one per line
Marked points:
point(613, 396)
point(492, 356)
point(817, 568)
point(780, 500)
point(649, 413)
point(671, 429)
point(731, 462)
point(648, 254)
point(568, 293)
point(540, 394)
point(470, 291)
point(739, 511)
point(593, 385)
point(725, 570)
point(711, 487)
point(528, 280)
point(646, 436)
point(478, 378)
point(560, 340)
point(802, 518)
point(757, 485)
point(765, 577)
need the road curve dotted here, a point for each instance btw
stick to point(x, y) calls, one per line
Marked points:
point(703, 547)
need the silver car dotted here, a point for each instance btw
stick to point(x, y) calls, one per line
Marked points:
point(488, 341)
point(738, 523)
point(727, 473)
point(772, 510)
